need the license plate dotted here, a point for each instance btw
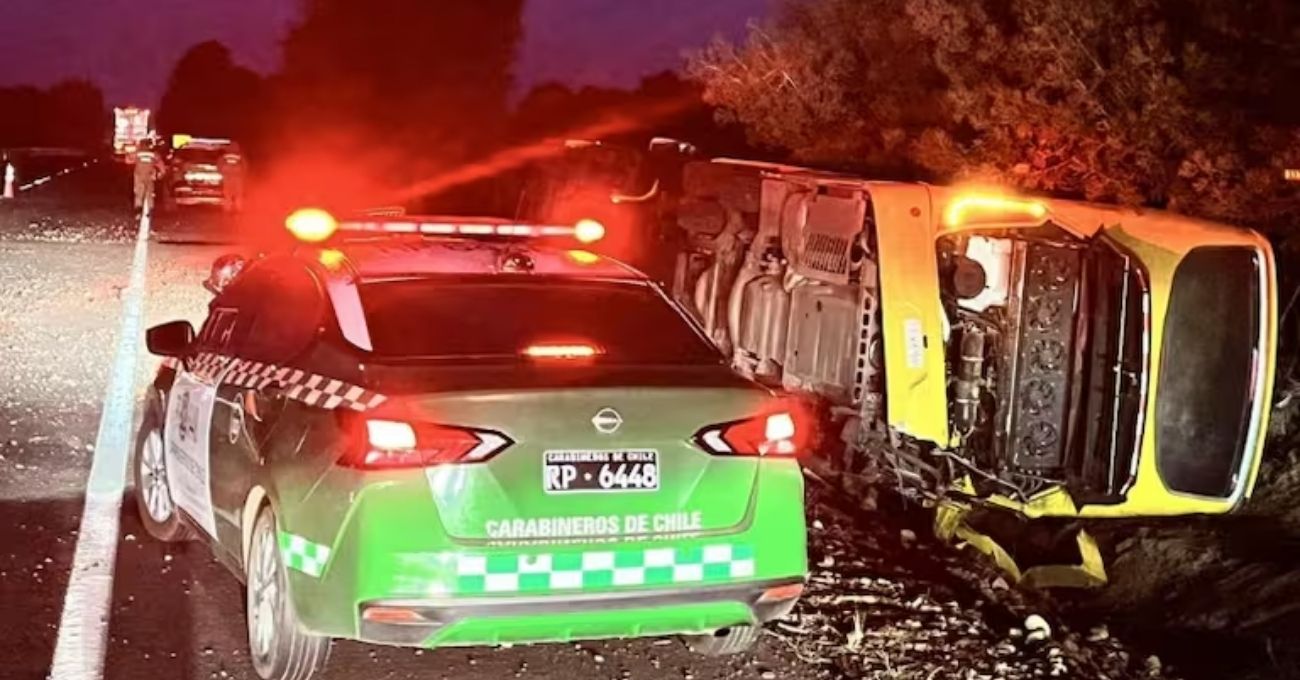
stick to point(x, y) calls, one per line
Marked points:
point(600, 471)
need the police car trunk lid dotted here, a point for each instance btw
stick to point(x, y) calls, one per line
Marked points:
point(594, 454)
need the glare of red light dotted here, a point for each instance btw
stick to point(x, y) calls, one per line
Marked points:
point(312, 225)
point(588, 231)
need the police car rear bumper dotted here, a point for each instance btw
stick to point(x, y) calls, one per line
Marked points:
point(485, 621)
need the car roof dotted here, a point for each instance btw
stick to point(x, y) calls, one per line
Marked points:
point(386, 257)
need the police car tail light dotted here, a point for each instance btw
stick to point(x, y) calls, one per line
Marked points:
point(390, 435)
point(395, 444)
point(777, 433)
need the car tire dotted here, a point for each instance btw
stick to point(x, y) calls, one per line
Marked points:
point(153, 496)
point(733, 640)
point(279, 647)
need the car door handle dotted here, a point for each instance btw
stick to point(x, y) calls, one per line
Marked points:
point(251, 402)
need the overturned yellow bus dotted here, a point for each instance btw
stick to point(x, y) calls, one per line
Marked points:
point(1055, 358)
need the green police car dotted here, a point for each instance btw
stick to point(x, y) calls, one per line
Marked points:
point(430, 432)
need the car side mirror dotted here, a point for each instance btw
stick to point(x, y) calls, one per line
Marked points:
point(670, 145)
point(172, 339)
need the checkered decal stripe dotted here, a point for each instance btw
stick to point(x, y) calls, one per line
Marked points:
point(318, 390)
point(548, 572)
point(303, 555)
point(209, 365)
point(309, 388)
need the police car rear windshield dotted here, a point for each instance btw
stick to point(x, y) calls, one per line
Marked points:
point(490, 319)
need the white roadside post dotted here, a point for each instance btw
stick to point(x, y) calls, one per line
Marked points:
point(10, 176)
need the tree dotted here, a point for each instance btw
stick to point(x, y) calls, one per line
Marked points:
point(74, 115)
point(375, 97)
point(20, 116)
point(209, 95)
point(410, 75)
point(1114, 100)
point(69, 114)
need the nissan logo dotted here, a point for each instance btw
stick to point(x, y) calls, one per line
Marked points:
point(607, 421)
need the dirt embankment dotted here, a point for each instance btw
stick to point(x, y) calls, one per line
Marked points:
point(1223, 593)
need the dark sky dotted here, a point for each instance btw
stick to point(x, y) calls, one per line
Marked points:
point(130, 46)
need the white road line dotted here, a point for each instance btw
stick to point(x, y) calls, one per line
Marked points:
point(33, 184)
point(83, 627)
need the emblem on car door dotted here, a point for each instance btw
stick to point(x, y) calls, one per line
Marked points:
point(607, 421)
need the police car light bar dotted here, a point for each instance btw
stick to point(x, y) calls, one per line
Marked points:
point(315, 225)
point(586, 231)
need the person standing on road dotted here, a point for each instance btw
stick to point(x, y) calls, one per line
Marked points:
point(148, 168)
point(232, 179)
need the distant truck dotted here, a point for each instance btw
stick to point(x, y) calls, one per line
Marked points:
point(130, 128)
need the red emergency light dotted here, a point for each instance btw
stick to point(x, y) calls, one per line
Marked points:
point(587, 231)
point(314, 225)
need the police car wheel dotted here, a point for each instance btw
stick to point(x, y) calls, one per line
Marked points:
point(153, 496)
point(278, 645)
point(733, 640)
